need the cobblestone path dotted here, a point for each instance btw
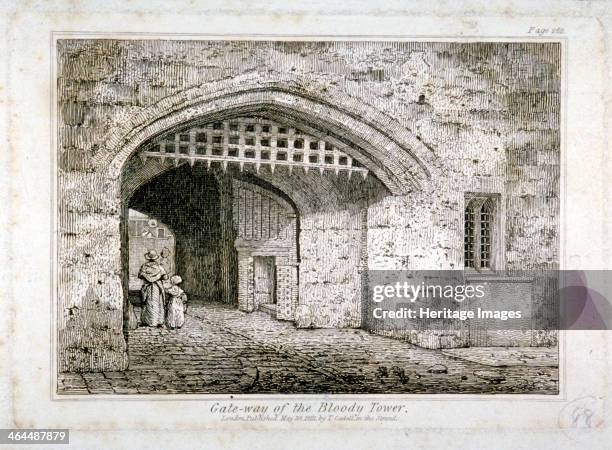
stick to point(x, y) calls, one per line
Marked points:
point(223, 350)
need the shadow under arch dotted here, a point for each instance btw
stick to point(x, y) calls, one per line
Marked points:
point(146, 181)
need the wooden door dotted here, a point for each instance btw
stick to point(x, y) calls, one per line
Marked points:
point(265, 280)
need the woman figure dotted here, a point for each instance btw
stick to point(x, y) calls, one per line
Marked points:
point(177, 304)
point(153, 295)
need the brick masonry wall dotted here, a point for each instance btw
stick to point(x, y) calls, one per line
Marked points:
point(486, 117)
point(261, 217)
point(265, 225)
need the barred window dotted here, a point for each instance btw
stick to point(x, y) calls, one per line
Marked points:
point(485, 235)
point(479, 232)
point(469, 238)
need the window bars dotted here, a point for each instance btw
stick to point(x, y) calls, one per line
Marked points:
point(479, 231)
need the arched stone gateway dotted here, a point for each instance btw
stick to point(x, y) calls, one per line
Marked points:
point(390, 151)
point(330, 219)
point(370, 194)
point(293, 177)
point(280, 189)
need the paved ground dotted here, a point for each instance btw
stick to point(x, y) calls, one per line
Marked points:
point(504, 356)
point(222, 350)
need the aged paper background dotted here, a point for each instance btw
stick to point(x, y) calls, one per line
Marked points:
point(465, 421)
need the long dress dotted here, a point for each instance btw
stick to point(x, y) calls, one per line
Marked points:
point(153, 295)
point(175, 314)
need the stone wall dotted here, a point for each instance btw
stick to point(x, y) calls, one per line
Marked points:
point(332, 231)
point(432, 121)
point(90, 293)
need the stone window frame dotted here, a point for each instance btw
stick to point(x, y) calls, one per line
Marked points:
point(477, 204)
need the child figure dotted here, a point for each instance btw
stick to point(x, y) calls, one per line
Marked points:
point(176, 303)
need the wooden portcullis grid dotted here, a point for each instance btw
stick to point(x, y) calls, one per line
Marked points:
point(253, 141)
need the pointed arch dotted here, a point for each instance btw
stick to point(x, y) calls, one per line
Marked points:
point(389, 150)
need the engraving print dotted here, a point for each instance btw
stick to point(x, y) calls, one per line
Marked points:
point(224, 207)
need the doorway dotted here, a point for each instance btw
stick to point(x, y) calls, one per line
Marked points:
point(264, 271)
